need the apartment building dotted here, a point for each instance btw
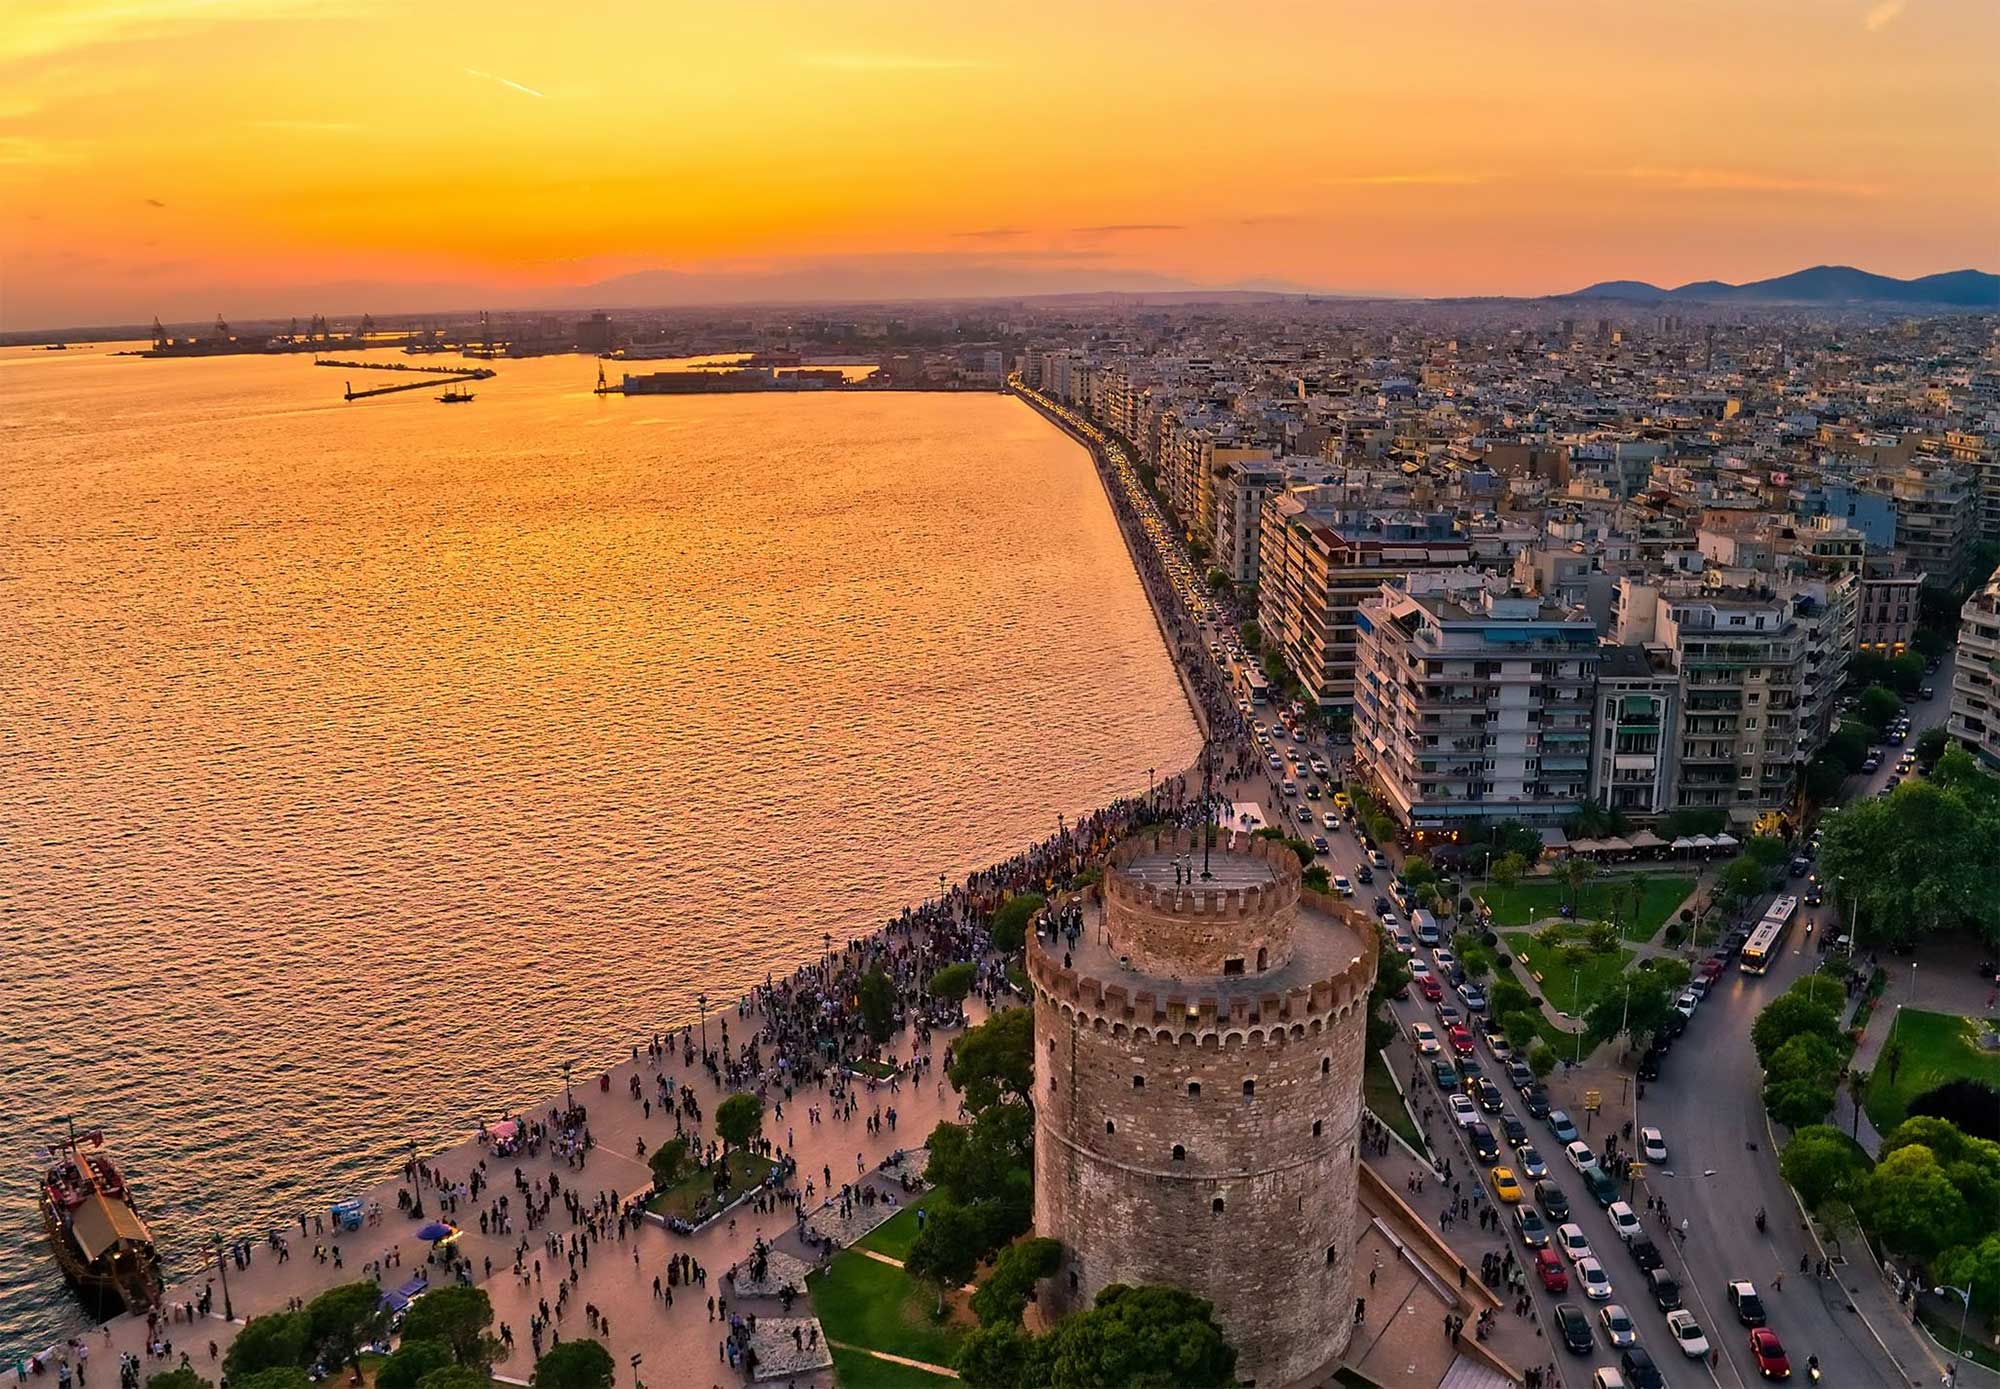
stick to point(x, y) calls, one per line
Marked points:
point(1888, 606)
point(1473, 702)
point(1937, 520)
point(1975, 679)
point(1240, 494)
point(1318, 563)
point(1632, 762)
point(1978, 456)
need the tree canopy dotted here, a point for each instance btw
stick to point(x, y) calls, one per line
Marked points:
point(1003, 1296)
point(995, 1060)
point(410, 1362)
point(1145, 1337)
point(947, 1252)
point(457, 1318)
point(275, 1377)
point(1791, 1014)
point(1010, 923)
point(1922, 859)
point(1822, 1163)
point(877, 997)
point(277, 1338)
point(669, 1162)
point(455, 1377)
point(986, 1168)
point(954, 982)
point(178, 1379)
point(344, 1319)
point(739, 1119)
point(576, 1364)
point(1878, 707)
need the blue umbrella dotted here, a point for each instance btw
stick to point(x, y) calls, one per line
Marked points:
point(434, 1231)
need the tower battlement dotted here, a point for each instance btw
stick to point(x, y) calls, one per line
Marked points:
point(1161, 914)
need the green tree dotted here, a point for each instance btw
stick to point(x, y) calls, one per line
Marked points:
point(1824, 778)
point(178, 1379)
point(1010, 923)
point(344, 1319)
point(1931, 744)
point(1507, 870)
point(1848, 745)
point(1805, 1056)
point(1821, 1163)
point(455, 1377)
point(1913, 1206)
point(1742, 880)
point(1541, 1060)
point(275, 1339)
point(410, 1362)
point(1144, 1337)
point(669, 1163)
point(1878, 707)
point(877, 996)
point(1975, 1266)
point(1790, 1015)
point(1004, 1294)
point(947, 1253)
point(1520, 1030)
point(1905, 673)
point(1920, 860)
point(988, 1160)
point(1638, 1010)
point(1252, 638)
point(274, 1377)
point(995, 1061)
point(954, 982)
point(577, 1364)
point(1799, 1104)
point(999, 1356)
point(739, 1119)
point(456, 1317)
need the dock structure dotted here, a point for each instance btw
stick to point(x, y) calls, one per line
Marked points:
point(429, 380)
point(478, 373)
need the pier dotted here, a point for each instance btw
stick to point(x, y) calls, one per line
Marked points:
point(432, 376)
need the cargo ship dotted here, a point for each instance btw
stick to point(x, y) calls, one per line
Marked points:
point(94, 1226)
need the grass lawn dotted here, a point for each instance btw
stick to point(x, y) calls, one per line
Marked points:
point(864, 1302)
point(895, 1235)
point(1569, 992)
point(1936, 1047)
point(1600, 899)
point(853, 1370)
point(746, 1171)
point(1378, 1092)
point(881, 1070)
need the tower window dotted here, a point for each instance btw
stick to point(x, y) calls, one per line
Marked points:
point(1180, 1153)
point(1194, 1089)
point(1233, 965)
point(1138, 1082)
point(1249, 1088)
point(1326, 1065)
point(1318, 1124)
point(1216, 1205)
point(1110, 1127)
point(1332, 1255)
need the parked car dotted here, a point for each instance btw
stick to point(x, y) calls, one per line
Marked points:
point(1653, 1144)
point(1686, 1333)
point(1561, 1127)
point(1519, 1075)
point(1624, 1220)
point(1603, 1186)
point(1536, 1101)
point(1645, 1254)
point(1580, 1156)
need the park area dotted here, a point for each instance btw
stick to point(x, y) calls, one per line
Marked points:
point(1569, 988)
point(866, 1302)
point(694, 1198)
point(1639, 913)
point(1923, 1051)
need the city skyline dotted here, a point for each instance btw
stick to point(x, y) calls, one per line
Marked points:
point(273, 156)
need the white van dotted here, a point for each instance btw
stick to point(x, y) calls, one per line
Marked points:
point(1426, 927)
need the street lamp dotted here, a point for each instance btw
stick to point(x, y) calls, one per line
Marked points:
point(223, 1267)
point(1576, 997)
point(416, 1184)
point(701, 1002)
point(1964, 1295)
point(569, 1097)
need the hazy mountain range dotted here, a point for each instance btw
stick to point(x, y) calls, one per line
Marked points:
point(1823, 284)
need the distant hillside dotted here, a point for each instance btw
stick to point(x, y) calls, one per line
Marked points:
point(1823, 284)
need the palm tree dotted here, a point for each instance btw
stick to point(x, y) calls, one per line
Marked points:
point(1857, 1082)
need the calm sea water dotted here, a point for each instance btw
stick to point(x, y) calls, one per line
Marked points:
point(361, 763)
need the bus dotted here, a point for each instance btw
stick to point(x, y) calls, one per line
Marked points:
point(1252, 685)
point(1767, 942)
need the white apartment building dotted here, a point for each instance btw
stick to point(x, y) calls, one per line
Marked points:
point(1975, 679)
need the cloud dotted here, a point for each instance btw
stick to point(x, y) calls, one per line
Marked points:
point(1745, 181)
point(1111, 228)
point(990, 234)
point(154, 202)
point(310, 127)
point(1882, 15)
point(1393, 180)
point(885, 62)
point(39, 28)
point(507, 82)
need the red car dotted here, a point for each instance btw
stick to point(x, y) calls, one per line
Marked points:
point(1769, 1353)
point(1549, 1264)
point(1432, 990)
point(1461, 1039)
point(1711, 968)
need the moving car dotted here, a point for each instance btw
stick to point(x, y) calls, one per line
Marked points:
point(1769, 1353)
point(1636, 1363)
point(1484, 1146)
point(1342, 886)
point(1596, 1282)
point(1461, 1039)
point(1443, 1073)
point(1665, 1289)
point(1489, 1097)
point(1424, 1038)
point(1515, 1132)
point(1604, 1377)
point(1428, 986)
point(1532, 1166)
point(1619, 1329)
point(1749, 1307)
point(1653, 1144)
point(1534, 1230)
point(1645, 1254)
point(1463, 1110)
point(1377, 859)
point(1686, 1332)
point(1549, 1268)
point(1329, 821)
point(1573, 1242)
point(1505, 1187)
point(1550, 1198)
point(1574, 1329)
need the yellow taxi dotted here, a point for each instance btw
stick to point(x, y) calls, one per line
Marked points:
point(1341, 802)
point(1505, 1188)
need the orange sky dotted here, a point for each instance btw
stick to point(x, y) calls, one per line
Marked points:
point(184, 157)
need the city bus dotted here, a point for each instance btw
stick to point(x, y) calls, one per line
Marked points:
point(1767, 942)
point(1252, 685)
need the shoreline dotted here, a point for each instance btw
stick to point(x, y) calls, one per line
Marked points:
point(190, 1285)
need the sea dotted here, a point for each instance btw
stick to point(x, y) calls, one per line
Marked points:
point(361, 763)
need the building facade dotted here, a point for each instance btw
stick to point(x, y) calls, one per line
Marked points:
point(1975, 679)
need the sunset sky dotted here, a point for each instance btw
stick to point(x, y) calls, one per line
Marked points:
point(184, 157)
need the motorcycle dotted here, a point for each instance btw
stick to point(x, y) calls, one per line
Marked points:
point(1760, 1220)
point(1812, 1368)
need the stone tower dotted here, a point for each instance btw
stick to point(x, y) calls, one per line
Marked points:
point(1198, 1052)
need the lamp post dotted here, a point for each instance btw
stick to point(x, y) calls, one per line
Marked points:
point(416, 1184)
point(1576, 997)
point(1964, 1296)
point(701, 1002)
point(569, 1097)
point(223, 1267)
